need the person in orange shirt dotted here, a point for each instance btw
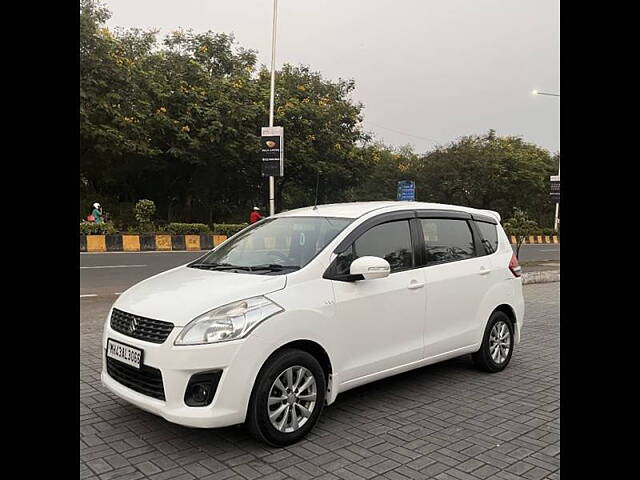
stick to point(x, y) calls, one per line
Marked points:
point(255, 216)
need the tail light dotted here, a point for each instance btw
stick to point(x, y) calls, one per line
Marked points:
point(514, 266)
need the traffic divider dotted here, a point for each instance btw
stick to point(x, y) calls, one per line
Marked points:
point(545, 276)
point(192, 242)
point(113, 243)
point(536, 239)
point(96, 243)
point(164, 242)
point(149, 242)
point(131, 243)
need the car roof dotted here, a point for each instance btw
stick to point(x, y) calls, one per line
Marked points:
point(358, 209)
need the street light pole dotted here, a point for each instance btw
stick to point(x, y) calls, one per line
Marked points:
point(272, 202)
point(555, 222)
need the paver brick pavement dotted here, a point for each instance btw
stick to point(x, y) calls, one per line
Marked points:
point(444, 421)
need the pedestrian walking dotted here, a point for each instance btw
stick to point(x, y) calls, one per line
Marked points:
point(96, 213)
point(255, 215)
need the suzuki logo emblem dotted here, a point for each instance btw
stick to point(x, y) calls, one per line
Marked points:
point(133, 326)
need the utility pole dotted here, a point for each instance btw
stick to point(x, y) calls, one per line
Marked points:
point(272, 201)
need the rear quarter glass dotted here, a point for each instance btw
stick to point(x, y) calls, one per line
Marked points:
point(489, 232)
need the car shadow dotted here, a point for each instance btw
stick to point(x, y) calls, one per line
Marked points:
point(372, 396)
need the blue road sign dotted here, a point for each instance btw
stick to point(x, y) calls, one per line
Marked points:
point(406, 190)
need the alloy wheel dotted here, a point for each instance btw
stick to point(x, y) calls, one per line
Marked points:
point(500, 342)
point(292, 399)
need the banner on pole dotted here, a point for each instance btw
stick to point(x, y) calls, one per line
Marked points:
point(555, 188)
point(272, 151)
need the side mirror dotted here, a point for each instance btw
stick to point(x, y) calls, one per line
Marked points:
point(370, 267)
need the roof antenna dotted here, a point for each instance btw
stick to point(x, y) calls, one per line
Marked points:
point(315, 203)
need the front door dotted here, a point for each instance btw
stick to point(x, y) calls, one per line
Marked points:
point(381, 320)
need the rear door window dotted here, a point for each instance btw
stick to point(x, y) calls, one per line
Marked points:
point(447, 240)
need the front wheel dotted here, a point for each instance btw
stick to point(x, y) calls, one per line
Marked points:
point(497, 344)
point(287, 398)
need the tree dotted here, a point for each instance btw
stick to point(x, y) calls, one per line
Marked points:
point(385, 167)
point(521, 226)
point(207, 109)
point(322, 128)
point(177, 120)
point(145, 210)
point(180, 120)
point(112, 101)
point(488, 172)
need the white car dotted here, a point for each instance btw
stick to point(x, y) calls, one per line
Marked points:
point(274, 323)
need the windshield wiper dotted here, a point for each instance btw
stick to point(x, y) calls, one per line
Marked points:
point(275, 267)
point(219, 266)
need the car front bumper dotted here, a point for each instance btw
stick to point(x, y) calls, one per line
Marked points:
point(239, 361)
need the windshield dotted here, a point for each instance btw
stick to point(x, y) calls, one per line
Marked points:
point(275, 245)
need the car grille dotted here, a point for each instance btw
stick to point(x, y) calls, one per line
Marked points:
point(155, 331)
point(146, 380)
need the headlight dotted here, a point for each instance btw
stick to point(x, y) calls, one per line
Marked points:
point(228, 322)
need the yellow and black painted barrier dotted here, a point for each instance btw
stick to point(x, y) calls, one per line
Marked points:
point(148, 242)
point(161, 242)
point(537, 239)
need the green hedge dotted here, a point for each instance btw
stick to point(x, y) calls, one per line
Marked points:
point(228, 229)
point(186, 228)
point(90, 228)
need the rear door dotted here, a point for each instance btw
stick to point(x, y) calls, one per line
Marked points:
point(456, 274)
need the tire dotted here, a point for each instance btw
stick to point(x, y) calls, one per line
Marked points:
point(498, 328)
point(307, 407)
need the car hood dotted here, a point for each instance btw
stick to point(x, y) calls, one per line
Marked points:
point(181, 294)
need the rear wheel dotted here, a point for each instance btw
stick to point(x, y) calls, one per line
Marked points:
point(287, 398)
point(497, 344)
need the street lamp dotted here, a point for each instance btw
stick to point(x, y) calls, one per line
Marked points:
point(557, 218)
point(272, 206)
point(538, 92)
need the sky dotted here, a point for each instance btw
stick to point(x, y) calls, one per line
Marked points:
point(427, 71)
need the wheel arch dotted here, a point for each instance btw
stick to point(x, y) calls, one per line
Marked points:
point(311, 347)
point(509, 312)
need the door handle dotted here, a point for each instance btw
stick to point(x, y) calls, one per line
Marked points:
point(484, 271)
point(415, 285)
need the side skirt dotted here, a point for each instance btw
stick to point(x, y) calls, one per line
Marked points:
point(356, 382)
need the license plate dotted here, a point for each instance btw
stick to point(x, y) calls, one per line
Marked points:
point(124, 353)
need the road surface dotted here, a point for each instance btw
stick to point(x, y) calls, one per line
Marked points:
point(109, 274)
